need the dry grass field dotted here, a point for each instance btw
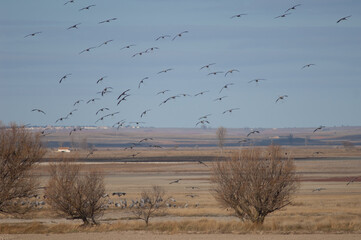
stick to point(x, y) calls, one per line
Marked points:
point(335, 209)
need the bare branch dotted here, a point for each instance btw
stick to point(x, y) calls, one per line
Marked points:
point(20, 150)
point(76, 196)
point(255, 183)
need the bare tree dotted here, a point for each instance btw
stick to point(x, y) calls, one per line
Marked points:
point(255, 183)
point(221, 135)
point(151, 202)
point(20, 150)
point(76, 196)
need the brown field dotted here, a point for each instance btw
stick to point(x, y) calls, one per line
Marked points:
point(334, 210)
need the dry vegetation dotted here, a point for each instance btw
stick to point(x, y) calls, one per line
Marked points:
point(75, 196)
point(335, 209)
point(20, 150)
point(255, 183)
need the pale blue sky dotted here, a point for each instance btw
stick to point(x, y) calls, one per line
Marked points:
point(257, 44)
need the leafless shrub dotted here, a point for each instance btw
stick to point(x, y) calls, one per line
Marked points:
point(20, 150)
point(348, 145)
point(76, 196)
point(255, 184)
point(151, 202)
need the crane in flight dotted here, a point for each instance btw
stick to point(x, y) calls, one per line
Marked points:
point(293, 7)
point(343, 19)
point(64, 77)
point(238, 15)
point(179, 35)
point(281, 98)
point(74, 26)
point(38, 110)
point(319, 128)
point(87, 7)
point(207, 66)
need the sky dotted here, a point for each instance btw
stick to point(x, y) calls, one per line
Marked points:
point(258, 45)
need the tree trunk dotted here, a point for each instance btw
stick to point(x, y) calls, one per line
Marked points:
point(85, 221)
point(259, 220)
point(93, 219)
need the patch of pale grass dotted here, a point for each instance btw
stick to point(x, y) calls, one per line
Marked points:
point(205, 226)
point(199, 212)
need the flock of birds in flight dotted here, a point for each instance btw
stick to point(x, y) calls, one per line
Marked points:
point(124, 95)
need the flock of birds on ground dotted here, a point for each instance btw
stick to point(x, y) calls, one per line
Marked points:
point(118, 199)
point(123, 95)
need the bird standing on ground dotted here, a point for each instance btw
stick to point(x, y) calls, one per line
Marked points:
point(318, 189)
point(192, 195)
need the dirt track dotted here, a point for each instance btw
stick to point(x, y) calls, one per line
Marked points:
point(151, 236)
